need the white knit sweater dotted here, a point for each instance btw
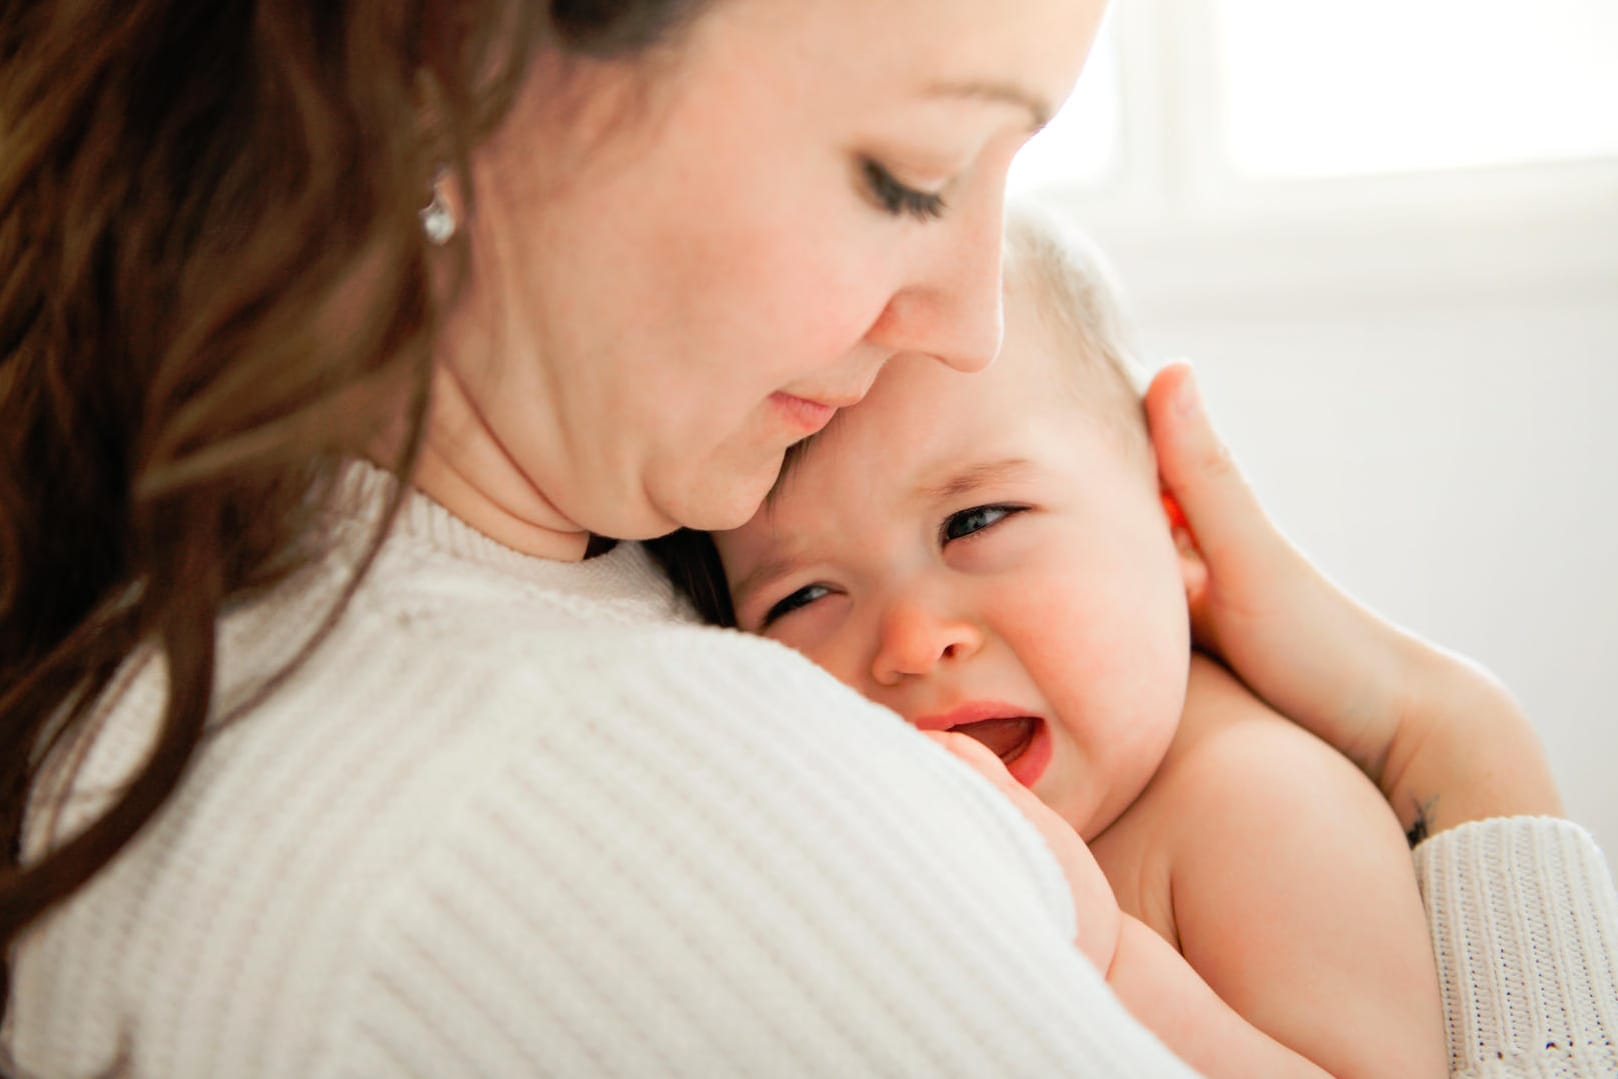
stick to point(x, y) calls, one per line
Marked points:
point(516, 818)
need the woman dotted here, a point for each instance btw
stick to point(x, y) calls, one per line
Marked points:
point(311, 772)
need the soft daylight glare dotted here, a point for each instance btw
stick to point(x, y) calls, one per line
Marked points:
point(1080, 146)
point(1383, 86)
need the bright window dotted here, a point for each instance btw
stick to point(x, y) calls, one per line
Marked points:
point(1385, 86)
point(1080, 147)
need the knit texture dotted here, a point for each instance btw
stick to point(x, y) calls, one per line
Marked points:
point(517, 817)
point(1525, 928)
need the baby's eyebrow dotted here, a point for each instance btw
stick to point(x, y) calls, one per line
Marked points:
point(972, 478)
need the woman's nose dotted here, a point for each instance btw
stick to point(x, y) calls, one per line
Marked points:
point(912, 641)
point(950, 308)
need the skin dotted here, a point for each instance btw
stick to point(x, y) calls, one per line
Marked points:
point(1428, 728)
point(1276, 870)
point(642, 248)
point(563, 246)
point(1235, 848)
point(672, 255)
point(1440, 737)
point(1068, 604)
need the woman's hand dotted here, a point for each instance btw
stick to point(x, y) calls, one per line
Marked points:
point(1443, 740)
point(1095, 908)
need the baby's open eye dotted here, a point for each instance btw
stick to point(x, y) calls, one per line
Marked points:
point(966, 522)
point(801, 598)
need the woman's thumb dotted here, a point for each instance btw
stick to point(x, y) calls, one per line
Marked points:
point(1224, 516)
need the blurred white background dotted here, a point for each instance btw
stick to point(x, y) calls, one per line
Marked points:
point(1387, 235)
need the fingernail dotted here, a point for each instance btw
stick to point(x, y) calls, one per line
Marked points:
point(1186, 399)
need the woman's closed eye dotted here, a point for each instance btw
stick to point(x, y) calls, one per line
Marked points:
point(794, 601)
point(971, 522)
point(897, 198)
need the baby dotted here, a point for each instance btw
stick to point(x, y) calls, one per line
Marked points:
point(991, 554)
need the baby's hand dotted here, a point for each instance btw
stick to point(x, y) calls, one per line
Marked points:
point(1095, 908)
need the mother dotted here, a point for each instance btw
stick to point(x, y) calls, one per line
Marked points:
point(317, 767)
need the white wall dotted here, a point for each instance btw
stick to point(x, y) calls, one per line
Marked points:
point(1431, 413)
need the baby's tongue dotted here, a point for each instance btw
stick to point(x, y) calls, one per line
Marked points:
point(1006, 737)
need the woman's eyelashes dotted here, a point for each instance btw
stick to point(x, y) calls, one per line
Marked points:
point(794, 601)
point(900, 199)
point(970, 522)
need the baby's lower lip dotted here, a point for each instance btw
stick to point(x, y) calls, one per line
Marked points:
point(802, 413)
point(1034, 757)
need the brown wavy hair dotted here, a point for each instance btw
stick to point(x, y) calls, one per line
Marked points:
point(213, 288)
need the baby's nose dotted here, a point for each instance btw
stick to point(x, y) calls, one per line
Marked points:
point(915, 641)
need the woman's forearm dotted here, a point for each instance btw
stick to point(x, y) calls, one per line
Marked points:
point(1463, 750)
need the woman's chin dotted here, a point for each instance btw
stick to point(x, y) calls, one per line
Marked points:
point(721, 516)
point(715, 503)
point(712, 512)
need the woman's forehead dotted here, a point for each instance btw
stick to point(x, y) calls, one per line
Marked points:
point(1023, 56)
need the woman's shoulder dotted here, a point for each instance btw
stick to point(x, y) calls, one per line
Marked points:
point(622, 635)
point(441, 802)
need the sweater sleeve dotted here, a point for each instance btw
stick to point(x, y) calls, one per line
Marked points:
point(1524, 920)
point(701, 856)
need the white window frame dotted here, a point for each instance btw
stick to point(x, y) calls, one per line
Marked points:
point(1175, 206)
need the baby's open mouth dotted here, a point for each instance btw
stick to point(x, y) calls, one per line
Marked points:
point(1008, 738)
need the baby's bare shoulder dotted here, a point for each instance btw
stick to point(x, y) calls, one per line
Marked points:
point(1290, 883)
point(1239, 774)
point(1240, 784)
point(1233, 769)
point(1230, 744)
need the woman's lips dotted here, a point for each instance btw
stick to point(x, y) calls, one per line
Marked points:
point(800, 412)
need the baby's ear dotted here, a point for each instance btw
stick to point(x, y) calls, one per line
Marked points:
point(1193, 570)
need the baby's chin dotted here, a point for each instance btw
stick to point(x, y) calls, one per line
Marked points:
point(1090, 812)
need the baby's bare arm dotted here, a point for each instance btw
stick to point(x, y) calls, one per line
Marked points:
point(1171, 1000)
point(1153, 980)
point(1293, 891)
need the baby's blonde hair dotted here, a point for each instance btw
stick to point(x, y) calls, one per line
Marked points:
point(1076, 295)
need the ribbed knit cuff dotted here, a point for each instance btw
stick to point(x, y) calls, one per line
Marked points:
point(1524, 919)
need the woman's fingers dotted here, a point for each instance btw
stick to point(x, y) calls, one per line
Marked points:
point(1095, 907)
point(1288, 632)
point(1442, 739)
point(1225, 517)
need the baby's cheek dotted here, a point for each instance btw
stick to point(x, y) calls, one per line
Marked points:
point(1117, 694)
point(827, 636)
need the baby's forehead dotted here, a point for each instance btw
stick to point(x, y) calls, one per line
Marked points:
point(1067, 392)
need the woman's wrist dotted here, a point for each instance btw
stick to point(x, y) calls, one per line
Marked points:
point(1463, 750)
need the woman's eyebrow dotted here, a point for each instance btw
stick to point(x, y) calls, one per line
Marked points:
point(1039, 111)
point(974, 477)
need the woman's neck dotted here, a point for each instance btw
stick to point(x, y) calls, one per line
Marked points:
point(464, 468)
